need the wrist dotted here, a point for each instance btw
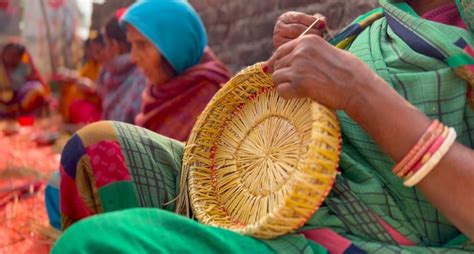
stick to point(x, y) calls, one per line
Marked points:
point(387, 117)
point(363, 94)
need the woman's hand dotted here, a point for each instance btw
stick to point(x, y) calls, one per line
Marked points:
point(291, 25)
point(65, 75)
point(310, 67)
point(86, 85)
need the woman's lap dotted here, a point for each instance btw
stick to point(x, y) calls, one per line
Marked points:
point(26, 100)
point(146, 230)
point(109, 166)
point(83, 111)
point(31, 96)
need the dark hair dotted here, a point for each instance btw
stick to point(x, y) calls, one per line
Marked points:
point(99, 39)
point(14, 46)
point(115, 32)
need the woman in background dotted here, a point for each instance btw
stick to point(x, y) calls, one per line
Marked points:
point(119, 85)
point(95, 56)
point(22, 89)
point(183, 76)
point(183, 72)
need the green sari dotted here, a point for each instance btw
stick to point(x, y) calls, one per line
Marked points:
point(422, 61)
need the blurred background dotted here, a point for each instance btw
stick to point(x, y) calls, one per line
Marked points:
point(54, 30)
point(239, 31)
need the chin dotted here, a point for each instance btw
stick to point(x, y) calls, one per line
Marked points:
point(154, 80)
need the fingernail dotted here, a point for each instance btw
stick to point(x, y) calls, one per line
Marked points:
point(265, 68)
point(322, 24)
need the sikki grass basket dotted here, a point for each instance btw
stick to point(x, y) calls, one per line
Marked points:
point(256, 163)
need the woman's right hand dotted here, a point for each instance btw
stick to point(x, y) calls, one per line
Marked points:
point(291, 25)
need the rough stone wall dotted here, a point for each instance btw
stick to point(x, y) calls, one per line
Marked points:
point(102, 12)
point(240, 31)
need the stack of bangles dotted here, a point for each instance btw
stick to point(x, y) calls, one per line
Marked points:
point(426, 154)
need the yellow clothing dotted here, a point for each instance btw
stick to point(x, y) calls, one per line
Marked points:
point(90, 70)
point(71, 93)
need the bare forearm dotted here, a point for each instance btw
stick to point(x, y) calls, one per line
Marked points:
point(450, 187)
point(396, 126)
point(393, 123)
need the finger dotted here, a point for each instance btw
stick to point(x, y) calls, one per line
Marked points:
point(323, 21)
point(283, 62)
point(294, 30)
point(287, 90)
point(281, 52)
point(278, 41)
point(281, 76)
point(297, 18)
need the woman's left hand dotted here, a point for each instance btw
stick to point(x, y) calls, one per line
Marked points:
point(86, 85)
point(291, 24)
point(312, 68)
point(65, 75)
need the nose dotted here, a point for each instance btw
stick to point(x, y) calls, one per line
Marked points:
point(133, 55)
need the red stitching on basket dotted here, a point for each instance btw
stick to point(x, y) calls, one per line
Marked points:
point(328, 190)
point(212, 156)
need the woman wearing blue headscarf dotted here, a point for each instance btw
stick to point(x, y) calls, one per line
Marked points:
point(170, 47)
point(109, 166)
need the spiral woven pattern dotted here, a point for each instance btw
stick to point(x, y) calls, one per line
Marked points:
point(258, 164)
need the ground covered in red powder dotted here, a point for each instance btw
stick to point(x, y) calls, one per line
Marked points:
point(25, 166)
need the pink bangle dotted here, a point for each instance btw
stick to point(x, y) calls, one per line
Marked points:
point(432, 159)
point(422, 142)
point(431, 138)
point(432, 149)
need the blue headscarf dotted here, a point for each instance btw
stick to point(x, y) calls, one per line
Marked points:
point(173, 26)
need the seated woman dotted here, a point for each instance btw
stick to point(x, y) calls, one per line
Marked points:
point(183, 74)
point(405, 66)
point(95, 56)
point(119, 85)
point(22, 89)
point(115, 95)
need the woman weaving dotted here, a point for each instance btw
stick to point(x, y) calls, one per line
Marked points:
point(402, 90)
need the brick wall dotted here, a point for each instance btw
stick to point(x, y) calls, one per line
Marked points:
point(240, 31)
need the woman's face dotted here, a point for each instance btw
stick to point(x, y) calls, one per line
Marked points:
point(11, 58)
point(147, 57)
point(98, 52)
point(111, 47)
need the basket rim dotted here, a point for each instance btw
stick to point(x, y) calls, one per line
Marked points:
point(255, 229)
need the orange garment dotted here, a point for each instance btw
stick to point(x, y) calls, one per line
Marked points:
point(71, 93)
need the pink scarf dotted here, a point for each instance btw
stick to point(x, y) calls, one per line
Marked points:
point(172, 109)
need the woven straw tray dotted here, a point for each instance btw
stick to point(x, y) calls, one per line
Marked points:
point(258, 164)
